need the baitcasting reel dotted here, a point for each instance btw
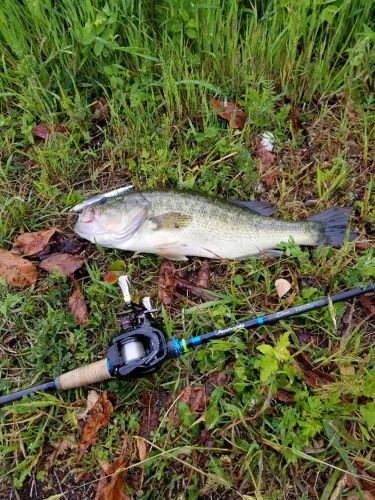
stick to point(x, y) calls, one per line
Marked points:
point(141, 346)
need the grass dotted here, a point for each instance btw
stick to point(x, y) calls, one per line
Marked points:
point(158, 64)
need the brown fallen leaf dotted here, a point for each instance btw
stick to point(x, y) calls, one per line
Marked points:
point(60, 448)
point(284, 396)
point(98, 417)
point(205, 439)
point(228, 111)
point(314, 377)
point(60, 244)
point(77, 306)
point(63, 263)
point(45, 130)
point(367, 481)
point(92, 398)
point(203, 277)
point(115, 487)
point(110, 277)
point(282, 287)
point(69, 245)
point(167, 283)
point(218, 378)
point(16, 270)
point(33, 243)
point(367, 303)
point(290, 299)
point(265, 163)
point(293, 115)
point(102, 484)
point(142, 448)
point(363, 245)
point(101, 109)
point(194, 396)
point(150, 416)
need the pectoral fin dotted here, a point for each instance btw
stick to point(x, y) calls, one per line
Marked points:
point(172, 220)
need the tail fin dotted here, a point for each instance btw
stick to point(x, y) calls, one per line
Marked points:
point(334, 224)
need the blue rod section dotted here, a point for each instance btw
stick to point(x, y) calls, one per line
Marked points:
point(8, 398)
point(177, 347)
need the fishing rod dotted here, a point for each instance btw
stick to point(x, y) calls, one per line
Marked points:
point(142, 347)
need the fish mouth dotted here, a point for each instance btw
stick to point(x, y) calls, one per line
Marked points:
point(83, 230)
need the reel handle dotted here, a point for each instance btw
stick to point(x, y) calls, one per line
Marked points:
point(89, 374)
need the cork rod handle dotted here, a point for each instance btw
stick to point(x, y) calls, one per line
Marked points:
point(90, 374)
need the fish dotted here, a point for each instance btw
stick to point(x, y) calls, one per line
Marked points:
point(178, 224)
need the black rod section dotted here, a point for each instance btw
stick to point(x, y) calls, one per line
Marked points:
point(273, 318)
point(8, 398)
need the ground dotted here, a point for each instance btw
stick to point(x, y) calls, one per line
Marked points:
point(281, 412)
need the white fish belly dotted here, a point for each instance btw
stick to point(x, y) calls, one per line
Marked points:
point(214, 245)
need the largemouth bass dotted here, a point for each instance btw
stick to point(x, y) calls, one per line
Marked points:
point(180, 224)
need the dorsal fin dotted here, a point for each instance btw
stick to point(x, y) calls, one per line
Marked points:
point(259, 207)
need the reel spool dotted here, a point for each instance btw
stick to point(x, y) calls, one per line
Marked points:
point(137, 351)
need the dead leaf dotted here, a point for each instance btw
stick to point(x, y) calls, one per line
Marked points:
point(363, 245)
point(265, 163)
point(92, 398)
point(367, 303)
point(167, 283)
point(290, 299)
point(16, 270)
point(205, 439)
point(63, 263)
point(367, 481)
point(314, 377)
point(142, 448)
point(304, 337)
point(110, 277)
point(284, 396)
point(150, 416)
point(101, 109)
point(293, 115)
point(282, 287)
point(33, 243)
point(102, 484)
point(60, 448)
point(77, 306)
point(218, 378)
point(115, 489)
point(194, 396)
point(203, 276)
point(45, 130)
point(228, 111)
point(98, 417)
point(69, 245)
